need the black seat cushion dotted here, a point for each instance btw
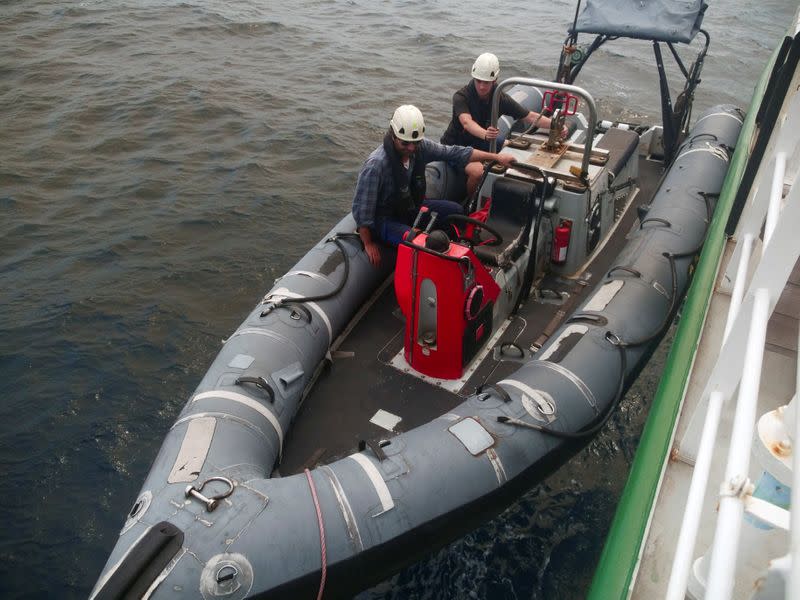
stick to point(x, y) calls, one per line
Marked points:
point(621, 144)
point(510, 214)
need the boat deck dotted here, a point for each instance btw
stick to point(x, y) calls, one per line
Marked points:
point(347, 397)
point(776, 389)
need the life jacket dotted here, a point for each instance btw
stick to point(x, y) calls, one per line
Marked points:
point(408, 196)
point(482, 215)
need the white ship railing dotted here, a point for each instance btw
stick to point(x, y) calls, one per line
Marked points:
point(793, 588)
point(774, 204)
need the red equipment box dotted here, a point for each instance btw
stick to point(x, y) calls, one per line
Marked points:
point(447, 299)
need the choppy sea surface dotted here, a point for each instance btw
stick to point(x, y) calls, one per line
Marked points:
point(162, 162)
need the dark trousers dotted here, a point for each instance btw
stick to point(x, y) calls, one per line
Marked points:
point(392, 231)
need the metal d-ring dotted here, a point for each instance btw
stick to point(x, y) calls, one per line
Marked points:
point(213, 502)
point(227, 572)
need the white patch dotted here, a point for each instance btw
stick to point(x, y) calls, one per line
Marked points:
point(387, 503)
point(385, 419)
point(473, 435)
point(582, 329)
point(604, 295)
point(193, 451)
point(241, 361)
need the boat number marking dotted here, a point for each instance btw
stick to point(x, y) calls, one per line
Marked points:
point(249, 402)
point(387, 503)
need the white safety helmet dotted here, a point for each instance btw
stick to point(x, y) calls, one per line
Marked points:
point(407, 123)
point(486, 67)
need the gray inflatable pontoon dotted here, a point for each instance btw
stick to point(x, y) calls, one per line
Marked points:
point(360, 416)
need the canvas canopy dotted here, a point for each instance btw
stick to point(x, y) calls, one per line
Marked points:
point(660, 20)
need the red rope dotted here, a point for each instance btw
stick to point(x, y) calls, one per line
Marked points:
point(323, 550)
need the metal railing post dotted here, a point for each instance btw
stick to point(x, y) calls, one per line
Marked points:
point(687, 538)
point(775, 196)
point(736, 485)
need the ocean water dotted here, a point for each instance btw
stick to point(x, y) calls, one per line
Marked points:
point(162, 162)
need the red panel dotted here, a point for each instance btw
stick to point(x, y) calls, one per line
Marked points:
point(444, 357)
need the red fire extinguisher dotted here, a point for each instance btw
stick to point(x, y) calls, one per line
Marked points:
point(561, 242)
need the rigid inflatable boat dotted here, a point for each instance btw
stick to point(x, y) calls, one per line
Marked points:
point(362, 416)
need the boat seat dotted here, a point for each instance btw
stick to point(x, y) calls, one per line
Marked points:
point(510, 214)
point(621, 144)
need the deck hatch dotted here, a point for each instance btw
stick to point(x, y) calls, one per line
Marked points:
point(472, 434)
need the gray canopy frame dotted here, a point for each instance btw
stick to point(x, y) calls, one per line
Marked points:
point(658, 21)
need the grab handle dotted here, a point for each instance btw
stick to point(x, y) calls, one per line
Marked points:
point(259, 382)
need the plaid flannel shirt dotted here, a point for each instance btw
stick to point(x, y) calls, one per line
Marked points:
point(375, 187)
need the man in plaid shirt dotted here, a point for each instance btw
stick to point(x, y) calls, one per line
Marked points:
point(391, 184)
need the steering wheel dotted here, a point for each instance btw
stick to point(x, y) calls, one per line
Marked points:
point(478, 225)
